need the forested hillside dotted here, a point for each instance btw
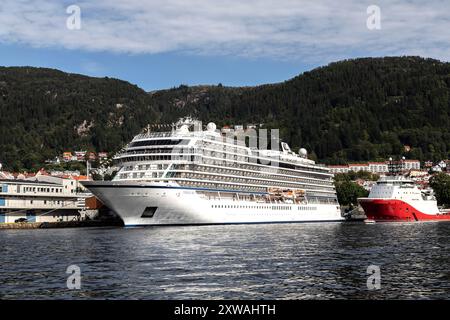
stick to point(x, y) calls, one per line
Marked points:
point(44, 112)
point(356, 110)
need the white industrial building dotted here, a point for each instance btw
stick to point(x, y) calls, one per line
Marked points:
point(43, 199)
point(373, 167)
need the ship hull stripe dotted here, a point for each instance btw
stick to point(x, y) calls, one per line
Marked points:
point(397, 210)
point(92, 186)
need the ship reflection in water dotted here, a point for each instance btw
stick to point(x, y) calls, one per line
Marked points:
point(278, 261)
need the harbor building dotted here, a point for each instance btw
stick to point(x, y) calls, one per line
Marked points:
point(381, 168)
point(43, 199)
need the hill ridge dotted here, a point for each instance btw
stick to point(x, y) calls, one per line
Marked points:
point(351, 110)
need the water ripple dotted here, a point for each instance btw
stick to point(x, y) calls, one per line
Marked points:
point(290, 261)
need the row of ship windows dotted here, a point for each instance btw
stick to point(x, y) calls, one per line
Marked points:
point(220, 146)
point(221, 186)
point(174, 151)
point(158, 158)
point(290, 176)
point(189, 150)
point(243, 180)
point(223, 151)
point(146, 167)
point(156, 175)
point(262, 174)
point(159, 142)
point(175, 143)
point(228, 206)
point(261, 168)
point(221, 162)
point(181, 152)
point(269, 162)
point(136, 175)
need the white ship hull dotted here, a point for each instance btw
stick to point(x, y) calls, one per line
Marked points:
point(140, 204)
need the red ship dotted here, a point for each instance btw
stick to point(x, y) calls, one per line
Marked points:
point(395, 198)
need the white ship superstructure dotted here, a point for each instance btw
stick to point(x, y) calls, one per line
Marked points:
point(194, 176)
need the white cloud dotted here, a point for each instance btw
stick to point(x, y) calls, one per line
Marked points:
point(92, 67)
point(311, 31)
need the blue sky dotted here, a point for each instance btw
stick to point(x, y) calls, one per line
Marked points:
point(160, 44)
point(156, 71)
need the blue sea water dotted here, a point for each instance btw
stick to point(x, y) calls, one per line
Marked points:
point(272, 261)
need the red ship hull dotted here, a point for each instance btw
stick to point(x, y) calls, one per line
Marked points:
point(397, 210)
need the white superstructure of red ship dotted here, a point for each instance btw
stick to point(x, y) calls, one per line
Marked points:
point(395, 198)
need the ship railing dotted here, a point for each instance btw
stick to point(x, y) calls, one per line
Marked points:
point(263, 199)
point(175, 152)
point(152, 135)
point(167, 134)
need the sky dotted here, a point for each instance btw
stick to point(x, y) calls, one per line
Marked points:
point(159, 44)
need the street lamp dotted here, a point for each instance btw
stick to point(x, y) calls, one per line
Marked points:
point(402, 165)
point(391, 166)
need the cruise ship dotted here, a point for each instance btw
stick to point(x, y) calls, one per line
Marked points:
point(193, 175)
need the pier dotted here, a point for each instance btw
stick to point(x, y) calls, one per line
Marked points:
point(61, 224)
point(353, 214)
